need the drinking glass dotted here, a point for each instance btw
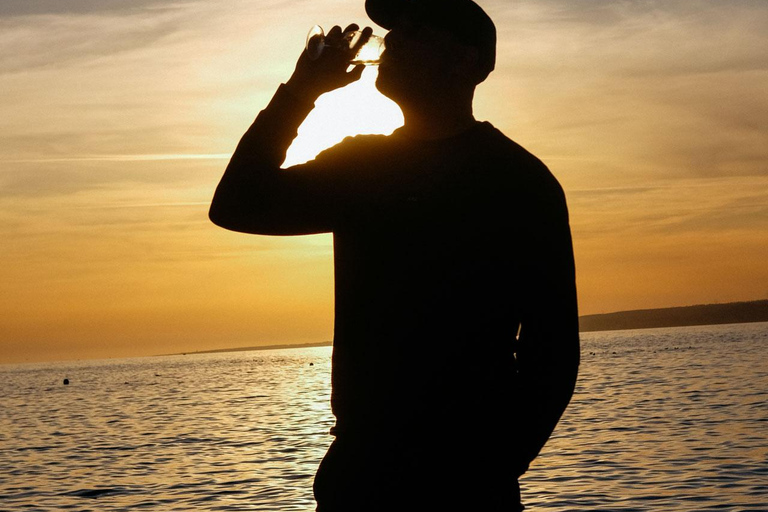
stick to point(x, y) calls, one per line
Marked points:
point(369, 54)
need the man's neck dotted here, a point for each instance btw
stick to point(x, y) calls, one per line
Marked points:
point(437, 120)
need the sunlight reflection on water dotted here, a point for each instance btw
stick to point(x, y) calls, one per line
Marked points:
point(671, 419)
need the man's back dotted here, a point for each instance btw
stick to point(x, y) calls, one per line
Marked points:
point(441, 248)
point(427, 254)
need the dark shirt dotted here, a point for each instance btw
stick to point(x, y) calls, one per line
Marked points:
point(444, 251)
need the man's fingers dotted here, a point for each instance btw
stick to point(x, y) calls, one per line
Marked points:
point(360, 41)
point(343, 41)
point(333, 35)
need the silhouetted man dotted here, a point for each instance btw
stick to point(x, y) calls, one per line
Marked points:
point(456, 332)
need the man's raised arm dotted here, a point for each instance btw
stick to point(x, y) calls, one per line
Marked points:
point(254, 195)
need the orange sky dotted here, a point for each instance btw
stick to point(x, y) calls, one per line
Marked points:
point(118, 119)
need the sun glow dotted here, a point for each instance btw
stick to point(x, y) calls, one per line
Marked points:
point(358, 108)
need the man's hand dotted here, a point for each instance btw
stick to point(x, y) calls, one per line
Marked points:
point(312, 78)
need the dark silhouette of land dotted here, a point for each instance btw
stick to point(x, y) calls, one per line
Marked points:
point(260, 347)
point(700, 314)
point(703, 314)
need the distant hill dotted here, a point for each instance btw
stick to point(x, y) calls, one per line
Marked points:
point(704, 314)
point(259, 347)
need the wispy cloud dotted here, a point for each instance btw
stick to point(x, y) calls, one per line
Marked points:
point(123, 158)
point(659, 89)
point(672, 208)
point(64, 38)
point(16, 8)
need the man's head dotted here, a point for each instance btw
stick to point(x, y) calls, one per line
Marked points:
point(433, 44)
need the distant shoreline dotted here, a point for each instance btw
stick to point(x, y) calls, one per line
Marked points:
point(683, 316)
point(257, 347)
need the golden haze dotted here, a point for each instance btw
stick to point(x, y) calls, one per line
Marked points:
point(118, 120)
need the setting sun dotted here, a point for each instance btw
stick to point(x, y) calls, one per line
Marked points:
point(355, 109)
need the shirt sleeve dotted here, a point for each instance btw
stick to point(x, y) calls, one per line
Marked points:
point(256, 196)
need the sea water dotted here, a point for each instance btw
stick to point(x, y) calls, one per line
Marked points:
point(662, 419)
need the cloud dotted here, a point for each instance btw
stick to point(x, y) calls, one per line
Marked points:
point(643, 88)
point(65, 40)
point(16, 8)
point(681, 241)
point(671, 208)
point(36, 180)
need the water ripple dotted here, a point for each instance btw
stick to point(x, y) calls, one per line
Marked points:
point(662, 419)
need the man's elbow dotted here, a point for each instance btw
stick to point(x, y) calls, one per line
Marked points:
point(230, 220)
point(253, 221)
point(226, 208)
point(220, 216)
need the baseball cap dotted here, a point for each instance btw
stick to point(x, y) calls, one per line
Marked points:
point(464, 19)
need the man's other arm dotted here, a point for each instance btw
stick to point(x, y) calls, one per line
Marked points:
point(548, 347)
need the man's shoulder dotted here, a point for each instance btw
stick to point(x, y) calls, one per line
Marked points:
point(501, 146)
point(356, 145)
point(515, 162)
